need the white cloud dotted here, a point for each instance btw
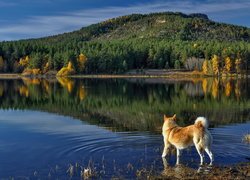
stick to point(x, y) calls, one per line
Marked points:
point(38, 26)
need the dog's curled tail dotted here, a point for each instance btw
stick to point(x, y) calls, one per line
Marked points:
point(201, 121)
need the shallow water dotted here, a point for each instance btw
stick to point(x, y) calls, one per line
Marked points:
point(36, 143)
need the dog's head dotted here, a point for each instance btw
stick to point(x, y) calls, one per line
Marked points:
point(169, 121)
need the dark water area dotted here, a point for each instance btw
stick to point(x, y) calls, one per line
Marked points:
point(113, 126)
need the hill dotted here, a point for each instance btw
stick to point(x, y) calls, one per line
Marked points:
point(158, 25)
point(137, 41)
point(166, 25)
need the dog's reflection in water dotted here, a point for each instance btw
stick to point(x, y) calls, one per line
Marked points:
point(181, 171)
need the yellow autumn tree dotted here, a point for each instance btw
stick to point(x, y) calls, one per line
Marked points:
point(205, 67)
point(1, 64)
point(66, 71)
point(215, 64)
point(228, 65)
point(46, 67)
point(24, 61)
point(31, 72)
point(82, 59)
point(70, 66)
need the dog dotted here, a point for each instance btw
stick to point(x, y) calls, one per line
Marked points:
point(183, 137)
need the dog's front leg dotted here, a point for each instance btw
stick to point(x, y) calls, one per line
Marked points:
point(165, 163)
point(166, 148)
point(165, 151)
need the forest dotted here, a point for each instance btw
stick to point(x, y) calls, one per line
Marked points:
point(150, 41)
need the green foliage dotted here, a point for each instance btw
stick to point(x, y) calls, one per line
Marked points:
point(36, 61)
point(177, 64)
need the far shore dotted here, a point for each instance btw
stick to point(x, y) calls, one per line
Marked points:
point(10, 76)
point(150, 73)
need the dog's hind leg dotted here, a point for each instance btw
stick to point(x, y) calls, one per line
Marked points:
point(201, 153)
point(210, 154)
point(178, 154)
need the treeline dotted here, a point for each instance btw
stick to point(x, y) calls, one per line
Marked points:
point(160, 40)
point(118, 56)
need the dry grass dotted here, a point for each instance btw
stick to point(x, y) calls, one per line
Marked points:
point(76, 171)
point(85, 173)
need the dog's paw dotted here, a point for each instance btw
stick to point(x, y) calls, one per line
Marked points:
point(177, 164)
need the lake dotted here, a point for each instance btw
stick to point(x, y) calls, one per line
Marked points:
point(54, 128)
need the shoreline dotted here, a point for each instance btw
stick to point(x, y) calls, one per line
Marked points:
point(147, 74)
point(233, 171)
point(10, 76)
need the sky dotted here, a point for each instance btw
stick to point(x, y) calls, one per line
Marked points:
point(22, 19)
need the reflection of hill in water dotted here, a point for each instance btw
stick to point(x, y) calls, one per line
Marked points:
point(133, 104)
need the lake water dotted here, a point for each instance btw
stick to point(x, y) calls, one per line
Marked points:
point(113, 125)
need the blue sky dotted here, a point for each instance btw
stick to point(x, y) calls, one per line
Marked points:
point(37, 18)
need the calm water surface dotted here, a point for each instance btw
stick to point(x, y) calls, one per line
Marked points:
point(113, 126)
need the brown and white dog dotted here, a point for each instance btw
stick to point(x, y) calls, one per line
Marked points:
point(182, 137)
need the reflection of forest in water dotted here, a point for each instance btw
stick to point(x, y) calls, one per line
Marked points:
point(131, 104)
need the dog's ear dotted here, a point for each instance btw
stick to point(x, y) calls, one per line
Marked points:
point(165, 117)
point(174, 117)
